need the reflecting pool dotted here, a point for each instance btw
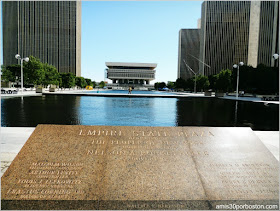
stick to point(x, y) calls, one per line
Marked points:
point(88, 110)
point(133, 92)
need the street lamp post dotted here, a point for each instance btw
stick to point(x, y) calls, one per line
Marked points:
point(17, 56)
point(237, 83)
point(275, 57)
point(193, 73)
point(194, 82)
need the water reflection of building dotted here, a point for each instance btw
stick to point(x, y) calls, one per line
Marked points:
point(127, 74)
point(224, 113)
point(205, 112)
point(31, 111)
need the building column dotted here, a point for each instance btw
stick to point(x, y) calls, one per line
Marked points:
point(275, 47)
point(254, 33)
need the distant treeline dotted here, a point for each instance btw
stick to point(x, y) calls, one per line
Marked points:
point(259, 80)
point(43, 74)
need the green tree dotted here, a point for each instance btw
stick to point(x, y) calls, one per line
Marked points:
point(212, 81)
point(224, 81)
point(190, 84)
point(246, 78)
point(156, 85)
point(81, 82)
point(51, 75)
point(11, 73)
point(171, 85)
point(89, 82)
point(161, 85)
point(181, 83)
point(33, 71)
point(67, 80)
point(93, 84)
point(7, 74)
point(266, 79)
point(102, 84)
point(202, 83)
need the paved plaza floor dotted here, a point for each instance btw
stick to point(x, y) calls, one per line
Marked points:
point(13, 139)
point(84, 92)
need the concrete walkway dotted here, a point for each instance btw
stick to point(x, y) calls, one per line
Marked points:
point(125, 95)
point(169, 95)
point(96, 93)
point(13, 139)
point(25, 94)
point(251, 99)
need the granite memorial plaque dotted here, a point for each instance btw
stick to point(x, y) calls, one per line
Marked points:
point(121, 167)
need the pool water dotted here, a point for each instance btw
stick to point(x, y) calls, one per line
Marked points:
point(121, 111)
point(133, 92)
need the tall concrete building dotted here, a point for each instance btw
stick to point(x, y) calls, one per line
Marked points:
point(235, 31)
point(231, 32)
point(188, 55)
point(48, 30)
point(268, 42)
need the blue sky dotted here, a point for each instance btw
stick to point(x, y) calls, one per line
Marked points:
point(135, 31)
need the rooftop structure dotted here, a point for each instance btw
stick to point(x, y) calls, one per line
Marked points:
point(136, 74)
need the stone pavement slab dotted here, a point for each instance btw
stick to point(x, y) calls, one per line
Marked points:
point(118, 167)
point(13, 139)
